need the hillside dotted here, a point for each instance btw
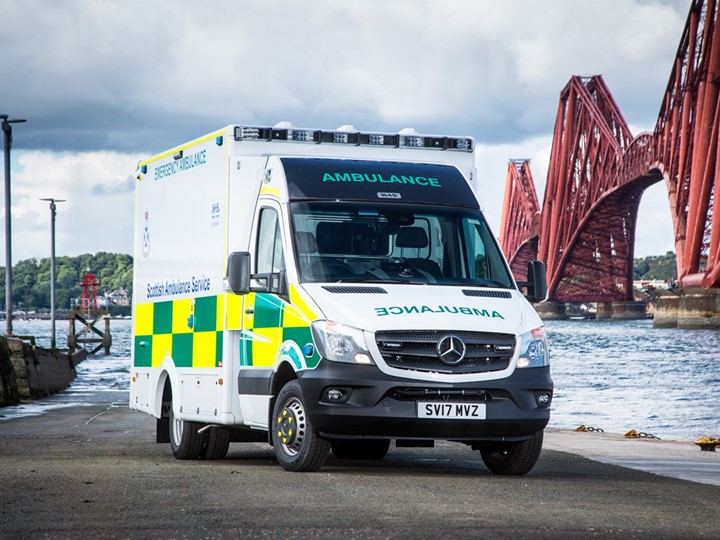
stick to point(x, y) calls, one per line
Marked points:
point(31, 279)
point(655, 267)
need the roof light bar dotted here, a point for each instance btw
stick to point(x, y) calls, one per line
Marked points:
point(313, 136)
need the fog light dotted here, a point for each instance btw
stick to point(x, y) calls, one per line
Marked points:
point(362, 358)
point(336, 395)
point(543, 399)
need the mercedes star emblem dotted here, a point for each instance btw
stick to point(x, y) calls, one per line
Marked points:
point(451, 350)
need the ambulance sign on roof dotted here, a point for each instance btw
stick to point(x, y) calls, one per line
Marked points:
point(371, 180)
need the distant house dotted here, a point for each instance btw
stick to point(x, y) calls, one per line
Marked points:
point(120, 297)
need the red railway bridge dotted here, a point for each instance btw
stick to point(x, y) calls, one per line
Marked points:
point(585, 229)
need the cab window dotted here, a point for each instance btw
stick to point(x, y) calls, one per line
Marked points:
point(269, 249)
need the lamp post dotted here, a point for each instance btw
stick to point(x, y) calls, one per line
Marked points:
point(53, 213)
point(7, 132)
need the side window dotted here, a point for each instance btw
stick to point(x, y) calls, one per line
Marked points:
point(269, 243)
point(478, 259)
point(485, 260)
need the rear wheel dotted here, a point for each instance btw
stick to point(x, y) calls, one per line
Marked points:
point(298, 446)
point(216, 443)
point(360, 449)
point(185, 441)
point(513, 458)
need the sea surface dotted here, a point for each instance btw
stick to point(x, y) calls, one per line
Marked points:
point(609, 375)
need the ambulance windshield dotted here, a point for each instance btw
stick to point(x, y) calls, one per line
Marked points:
point(390, 243)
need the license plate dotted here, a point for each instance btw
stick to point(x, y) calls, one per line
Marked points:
point(458, 411)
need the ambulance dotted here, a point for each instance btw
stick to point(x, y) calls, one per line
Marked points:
point(331, 291)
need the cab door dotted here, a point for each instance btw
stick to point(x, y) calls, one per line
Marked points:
point(262, 314)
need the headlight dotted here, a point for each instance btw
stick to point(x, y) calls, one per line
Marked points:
point(533, 349)
point(340, 343)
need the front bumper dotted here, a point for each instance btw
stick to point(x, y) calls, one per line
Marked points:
point(382, 406)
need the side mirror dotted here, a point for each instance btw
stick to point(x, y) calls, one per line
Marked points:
point(237, 279)
point(536, 281)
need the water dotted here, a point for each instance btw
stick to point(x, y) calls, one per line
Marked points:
point(100, 378)
point(612, 375)
point(622, 375)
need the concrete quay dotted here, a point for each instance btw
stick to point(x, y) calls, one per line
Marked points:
point(28, 372)
point(676, 459)
point(95, 472)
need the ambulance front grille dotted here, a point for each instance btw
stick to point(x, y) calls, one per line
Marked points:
point(418, 350)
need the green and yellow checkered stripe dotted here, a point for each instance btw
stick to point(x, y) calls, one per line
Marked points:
point(275, 323)
point(188, 330)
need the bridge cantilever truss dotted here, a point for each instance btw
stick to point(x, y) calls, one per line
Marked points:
point(687, 142)
point(598, 172)
point(520, 225)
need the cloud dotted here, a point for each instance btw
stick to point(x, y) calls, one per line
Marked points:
point(133, 75)
point(104, 83)
point(97, 212)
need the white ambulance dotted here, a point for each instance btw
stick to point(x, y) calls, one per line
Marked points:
point(331, 291)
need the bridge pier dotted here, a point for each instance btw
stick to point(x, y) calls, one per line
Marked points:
point(629, 310)
point(688, 308)
point(550, 311)
point(604, 310)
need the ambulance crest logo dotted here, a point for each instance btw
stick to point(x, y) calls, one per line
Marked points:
point(146, 235)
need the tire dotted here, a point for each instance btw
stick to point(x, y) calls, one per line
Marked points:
point(513, 459)
point(360, 449)
point(298, 446)
point(185, 441)
point(216, 443)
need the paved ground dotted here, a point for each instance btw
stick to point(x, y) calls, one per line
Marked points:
point(94, 472)
point(677, 459)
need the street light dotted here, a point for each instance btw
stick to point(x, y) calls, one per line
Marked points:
point(7, 132)
point(53, 213)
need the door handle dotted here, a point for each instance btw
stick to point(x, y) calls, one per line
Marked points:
point(249, 310)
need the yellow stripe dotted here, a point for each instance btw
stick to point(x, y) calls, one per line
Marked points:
point(299, 303)
point(234, 308)
point(204, 349)
point(172, 151)
point(181, 310)
point(247, 317)
point(264, 352)
point(143, 319)
point(161, 347)
point(270, 191)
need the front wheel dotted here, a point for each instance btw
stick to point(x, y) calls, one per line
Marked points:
point(185, 441)
point(298, 446)
point(513, 458)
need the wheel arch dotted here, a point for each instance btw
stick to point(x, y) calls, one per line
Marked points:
point(283, 375)
point(166, 387)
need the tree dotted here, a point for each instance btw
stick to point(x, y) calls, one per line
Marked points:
point(31, 278)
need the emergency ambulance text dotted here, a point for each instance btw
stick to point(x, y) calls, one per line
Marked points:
point(182, 164)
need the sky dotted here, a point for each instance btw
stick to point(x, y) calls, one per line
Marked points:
point(104, 84)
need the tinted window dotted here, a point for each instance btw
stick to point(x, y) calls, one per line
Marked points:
point(393, 243)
